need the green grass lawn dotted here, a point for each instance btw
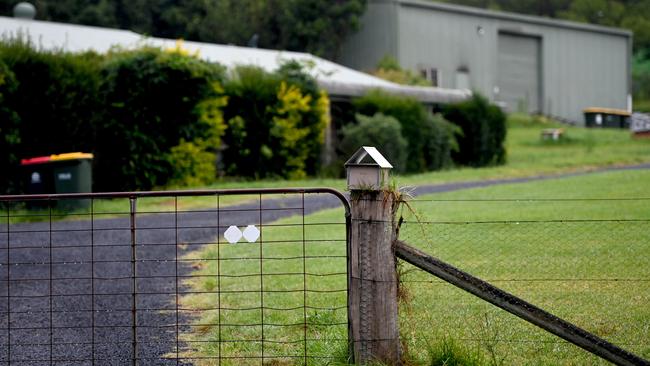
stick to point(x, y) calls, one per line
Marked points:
point(537, 240)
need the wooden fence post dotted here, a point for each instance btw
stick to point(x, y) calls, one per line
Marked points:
point(372, 296)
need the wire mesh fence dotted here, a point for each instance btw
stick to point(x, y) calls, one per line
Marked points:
point(584, 260)
point(176, 278)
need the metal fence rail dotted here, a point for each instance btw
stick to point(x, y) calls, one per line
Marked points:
point(584, 260)
point(171, 278)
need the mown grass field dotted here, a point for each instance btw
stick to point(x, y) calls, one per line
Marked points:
point(578, 247)
point(552, 243)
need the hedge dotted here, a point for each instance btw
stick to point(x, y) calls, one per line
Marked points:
point(430, 138)
point(9, 130)
point(163, 117)
point(157, 117)
point(155, 101)
point(55, 103)
point(483, 132)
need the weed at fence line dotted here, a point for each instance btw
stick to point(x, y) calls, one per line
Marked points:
point(449, 352)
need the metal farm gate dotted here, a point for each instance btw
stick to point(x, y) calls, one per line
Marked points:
point(171, 278)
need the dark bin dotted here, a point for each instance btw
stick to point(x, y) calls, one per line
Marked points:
point(39, 178)
point(607, 118)
point(63, 173)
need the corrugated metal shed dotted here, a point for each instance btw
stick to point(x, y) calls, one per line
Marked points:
point(338, 80)
point(525, 63)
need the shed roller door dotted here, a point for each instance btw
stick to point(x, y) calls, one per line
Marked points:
point(519, 72)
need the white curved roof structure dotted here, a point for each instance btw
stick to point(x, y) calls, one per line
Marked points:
point(338, 80)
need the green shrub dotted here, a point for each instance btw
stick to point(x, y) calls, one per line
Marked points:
point(276, 123)
point(430, 139)
point(155, 100)
point(641, 79)
point(439, 142)
point(192, 165)
point(483, 132)
point(317, 118)
point(381, 131)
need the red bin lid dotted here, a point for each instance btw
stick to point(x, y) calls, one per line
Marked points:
point(37, 160)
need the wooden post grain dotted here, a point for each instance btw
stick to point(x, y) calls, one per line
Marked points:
point(372, 297)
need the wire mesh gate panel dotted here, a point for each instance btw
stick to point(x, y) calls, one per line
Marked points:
point(174, 278)
point(584, 260)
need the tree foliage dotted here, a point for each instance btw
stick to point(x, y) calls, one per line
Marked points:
point(315, 26)
point(629, 14)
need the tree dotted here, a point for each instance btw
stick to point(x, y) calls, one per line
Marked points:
point(629, 14)
point(637, 19)
point(316, 26)
point(603, 12)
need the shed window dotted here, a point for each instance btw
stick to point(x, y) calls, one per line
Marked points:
point(431, 74)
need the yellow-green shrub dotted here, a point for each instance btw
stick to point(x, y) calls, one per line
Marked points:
point(276, 123)
point(193, 165)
